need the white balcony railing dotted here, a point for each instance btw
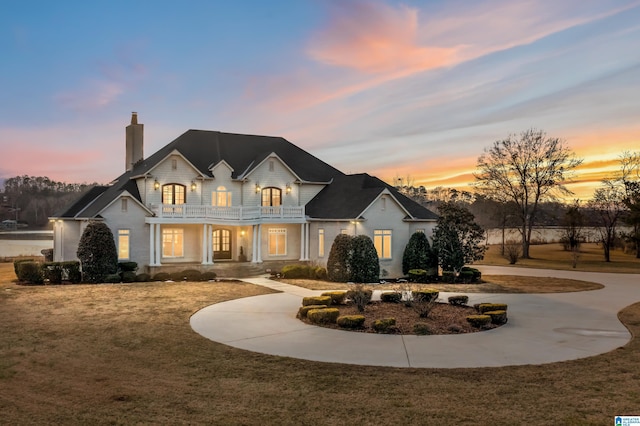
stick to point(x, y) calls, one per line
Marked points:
point(188, 211)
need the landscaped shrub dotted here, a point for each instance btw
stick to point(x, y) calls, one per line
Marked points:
point(208, 276)
point(421, 329)
point(302, 312)
point(458, 300)
point(128, 266)
point(97, 252)
point(364, 264)
point(339, 259)
point(512, 251)
point(48, 254)
point(419, 255)
point(316, 300)
point(187, 275)
point(385, 325)
point(298, 271)
point(425, 294)
point(488, 307)
point(128, 276)
point(448, 277)
point(112, 278)
point(479, 321)
point(351, 321)
point(465, 277)
point(323, 316)
point(391, 297)
point(418, 275)
point(161, 276)
point(320, 273)
point(359, 296)
point(143, 278)
point(30, 272)
point(71, 271)
point(337, 297)
point(497, 317)
point(52, 271)
point(477, 275)
point(18, 262)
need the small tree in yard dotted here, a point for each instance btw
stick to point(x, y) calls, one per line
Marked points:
point(364, 263)
point(97, 252)
point(572, 224)
point(339, 259)
point(457, 238)
point(418, 254)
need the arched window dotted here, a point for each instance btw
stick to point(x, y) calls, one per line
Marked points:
point(221, 197)
point(271, 197)
point(173, 193)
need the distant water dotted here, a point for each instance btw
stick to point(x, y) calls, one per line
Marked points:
point(25, 243)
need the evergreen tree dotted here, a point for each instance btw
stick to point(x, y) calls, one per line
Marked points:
point(339, 259)
point(364, 263)
point(457, 238)
point(418, 254)
point(97, 252)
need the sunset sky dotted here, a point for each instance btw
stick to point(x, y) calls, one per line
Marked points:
point(390, 88)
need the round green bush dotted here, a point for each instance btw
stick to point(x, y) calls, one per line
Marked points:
point(337, 297)
point(297, 271)
point(320, 273)
point(385, 325)
point(161, 276)
point(316, 300)
point(479, 321)
point(421, 329)
point(112, 278)
point(391, 297)
point(323, 316)
point(187, 275)
point(497, 317)
point(128, 276)
point(143, 278)
point(30, 272)
point(209, 276)
point(458, 300)
point(128, 266)
point(351, 321)
point(302, 312)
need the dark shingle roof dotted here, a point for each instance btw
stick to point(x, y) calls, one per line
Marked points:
point(349, 195)
point(81, 203)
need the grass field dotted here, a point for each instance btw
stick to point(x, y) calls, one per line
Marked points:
point(552, 256)
point(125, 354)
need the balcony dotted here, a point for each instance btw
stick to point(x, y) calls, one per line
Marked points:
point(237, 213)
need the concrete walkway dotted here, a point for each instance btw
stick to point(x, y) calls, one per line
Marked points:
point(542, 328)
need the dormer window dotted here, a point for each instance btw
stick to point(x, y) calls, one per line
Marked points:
point(173, 193)
point(271, 197)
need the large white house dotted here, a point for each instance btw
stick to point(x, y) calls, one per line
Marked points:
point(215, 201)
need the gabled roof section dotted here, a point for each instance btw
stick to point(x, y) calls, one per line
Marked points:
point(81, 202)
point(348, 196)
point(242, 153)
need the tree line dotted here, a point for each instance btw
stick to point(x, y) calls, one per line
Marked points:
point(31, 200)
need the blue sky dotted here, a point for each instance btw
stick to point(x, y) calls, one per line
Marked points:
point(391, 88)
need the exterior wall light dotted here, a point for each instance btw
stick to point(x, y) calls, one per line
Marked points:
point(193, 186)
point(156, 184)
point(258, 188)
point(288, 188)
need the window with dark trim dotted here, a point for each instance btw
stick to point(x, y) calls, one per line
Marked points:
point(173, 193)
point(271, 197)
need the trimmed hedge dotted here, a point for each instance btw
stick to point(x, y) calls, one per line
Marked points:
point(161, 276)
point(302, 312)
point(479, 321)
point(208, 276)
point(52, 271)
point(385, 325)
point(30, 272)
point(391, 297)
point(351, 321)
point(71, 269)
point(323, 316)
point(425, 295)
point(487, 307)
point(476, 275)
point(187, 275)
point(458, 300)
point(113, 279)
point(19, 261)
point(297, 271)
point(316, 300)
point(128, 276)
point(143, 278)
point(337, 297)
point(497, 317)
point(128, 266)
point(417, 275)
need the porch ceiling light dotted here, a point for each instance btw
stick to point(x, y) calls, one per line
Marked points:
point(156, 184)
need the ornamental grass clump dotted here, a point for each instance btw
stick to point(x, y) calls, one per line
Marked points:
point(421, 329)
point(351, 321)
point(316, 300)
point(304, 310)
point(360, 296)
point(337, 297)
point(323, 316)
point(479, 321)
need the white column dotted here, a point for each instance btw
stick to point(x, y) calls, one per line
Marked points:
point(152, 244)
point(158, 249)
point(254, 246)
point(205, 250)
point(210, 243)
point(259, 242)
point(308, 241)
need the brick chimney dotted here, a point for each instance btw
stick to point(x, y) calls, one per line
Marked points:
point(134, 139)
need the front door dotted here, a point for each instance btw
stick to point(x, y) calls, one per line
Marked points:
point(222, 244)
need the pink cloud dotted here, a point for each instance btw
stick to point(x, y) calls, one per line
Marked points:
point(374, 37)
point(92, 95)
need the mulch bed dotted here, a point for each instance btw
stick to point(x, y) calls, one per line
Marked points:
point(443, 319)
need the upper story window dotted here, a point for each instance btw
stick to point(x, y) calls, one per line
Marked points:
point(221, 197)
point(173, 193)
point(271, 197)
point(382, 242)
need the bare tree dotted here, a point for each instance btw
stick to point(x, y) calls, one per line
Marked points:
point(526, 169)
point(608, 206)
point(572, 229)
point(630, 177)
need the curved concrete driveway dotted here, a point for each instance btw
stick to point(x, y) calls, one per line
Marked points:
point(542, 328)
